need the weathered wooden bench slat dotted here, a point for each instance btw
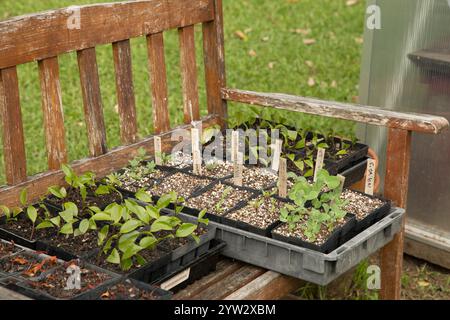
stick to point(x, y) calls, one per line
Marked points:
point(158, 76)
point(13, 138)
point(214, 56)
point(102, 165)
point(53, 112)
point(188, 64)
point(125, 91)
point(345, 111)
point(92, 101)
point(43, 35)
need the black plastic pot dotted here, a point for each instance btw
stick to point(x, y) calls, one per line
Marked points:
point(24, 288)
point(200, 267)
point(354, 173)
point(39, 257)
point(52, 250)
point(348, 229)
point(168, 172)
point(214, 217)
point(96, 294)
point(328, 246)
point(8, 235)
point(372, 218)
point(189, 252)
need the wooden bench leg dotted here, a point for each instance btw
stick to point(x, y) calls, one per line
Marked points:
point(396, 189)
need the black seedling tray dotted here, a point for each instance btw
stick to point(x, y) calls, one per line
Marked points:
point(328, 246)
point(200, 267)
point(25, 289)
point(17, 249)
point(96, 294)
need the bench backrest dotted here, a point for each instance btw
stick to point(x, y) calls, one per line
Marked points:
point(42, 37)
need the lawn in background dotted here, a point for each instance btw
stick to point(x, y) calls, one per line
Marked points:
point(307, 47)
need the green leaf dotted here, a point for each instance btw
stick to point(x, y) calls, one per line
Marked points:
point(67, 216)
point(166, 199)
point(101, 216)
point(160, 225)
point(115, 212)
point(196, 238)
point(185, 230)
point(102, 234)
point(130, 225)
point(152, 212)
point(102, 190)
point(126, 264)
point(131, 251)
point(142, 195)
point(139, 211)
point(56, 221)
point(32, 213)
point(83, 192)
point(67, 229)
point(71, 208)
point(127, 240)
point(114, 257)
point(5, 210)
point(84, 226)
point(202, 213)
point(44, 225)
point(148, 242)
point(23, 197)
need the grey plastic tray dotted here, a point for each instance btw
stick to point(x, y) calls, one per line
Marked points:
point(303, 263)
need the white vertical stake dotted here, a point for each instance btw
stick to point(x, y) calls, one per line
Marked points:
point(277, 154)
point(158, 150)
point(370, 177)
point(234, 145)
point(282, 178)
point(319, 162)
point(238, 169)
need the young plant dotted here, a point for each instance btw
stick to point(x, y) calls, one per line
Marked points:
point(218, 206)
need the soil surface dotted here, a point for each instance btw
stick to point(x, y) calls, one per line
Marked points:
point(220, 199)
point(217, 170)
point(261, 212)
point(77, 246)
point(55, 283)
point(180, 160)
point(257, 178)
point(23, 227)
point(7, 248)
point(146, 181)
point(126, 290)
point(360, 205)
point(27, 264)
point(175, 243)
point(183, 184)
point(73, 195)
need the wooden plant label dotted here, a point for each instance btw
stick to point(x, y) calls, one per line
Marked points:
point(277, 154)
point(197, 162)
point(234, 146)
point(238, 169)
point(158, 150)
point(341, 185)
point(319, 162)
point(282, 178)
point(195, 139)
point(370, 177)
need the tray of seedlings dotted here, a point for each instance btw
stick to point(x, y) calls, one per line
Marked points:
point(127, 289)
point(144, 240)
point(321, 230)
point(72, 280)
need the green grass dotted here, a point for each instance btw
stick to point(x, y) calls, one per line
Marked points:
point(267, 24)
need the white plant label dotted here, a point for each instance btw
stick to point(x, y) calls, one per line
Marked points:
point(197, 162)
point(158, 150)
point(195, 138)
point(341, 185)
point(277, 154)
point(319, 162)
point(238, 169)
point(282, 178)
point(370, 177)
point(74, 280)
point(234, 146)
point(176, 280)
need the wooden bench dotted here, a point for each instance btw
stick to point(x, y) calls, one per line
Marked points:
point(43, 37)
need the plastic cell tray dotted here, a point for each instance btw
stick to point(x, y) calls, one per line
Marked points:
point(306, 264)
